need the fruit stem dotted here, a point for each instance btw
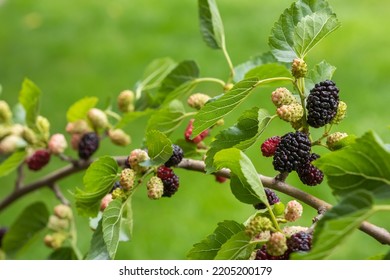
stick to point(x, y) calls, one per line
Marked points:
point(300, 85)
point(273, 218)
point(209, 79)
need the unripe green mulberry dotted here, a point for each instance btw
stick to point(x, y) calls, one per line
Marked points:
point(155, 188)
point(63, 211)
point(341, 113)
point(332, 141)
point(290, 113)
point(10, 143)
point(57, 224)
point(43, 126)
point(299, 68)
point(127, 178)
point(197, 100)
point(136, 157)
point(258, 224)
point(5, 112)
point(282, 96)
point(119, 137)
point(29, 136)
point(97, 118)
point(277, 244)
point(126, 101)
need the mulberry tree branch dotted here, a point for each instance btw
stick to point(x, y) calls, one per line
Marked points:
point(50, 180)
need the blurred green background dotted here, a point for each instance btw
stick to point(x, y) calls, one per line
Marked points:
point(72, 49)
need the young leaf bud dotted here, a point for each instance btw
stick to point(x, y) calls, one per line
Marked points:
point(282, 96)
point(43, 126)
point(57, 144)
point(29, 136)
point(97, 118)
point(119, 137)
point(293, 211)
point(126, 101)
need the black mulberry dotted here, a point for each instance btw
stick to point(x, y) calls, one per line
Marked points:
point(261, 254)
point(170, 180)
point(271, 197)
point(309, 174)
point(300, 241)
point(88, 145)
point(176, 157)
point(292, 152)
point(322, 104)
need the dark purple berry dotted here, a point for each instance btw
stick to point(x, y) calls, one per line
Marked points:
point(292, 152)
point(271, 197)
point(309, 174)
point(261, 254)
point(176, 157)
point(322, 104)
point(300, 241)
point(117, 185)
point(170, 180)
point(38, 160)
point(269, 146)
point(88, 145)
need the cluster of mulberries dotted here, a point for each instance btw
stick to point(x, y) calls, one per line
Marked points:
point(292, 152)
point(298, 242)
point(169, 179)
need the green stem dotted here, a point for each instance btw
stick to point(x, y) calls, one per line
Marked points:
point(228, 60)
point(209, 79)
point(273, 218)
point(113, 114)
point(300, 85)
point(73, 242)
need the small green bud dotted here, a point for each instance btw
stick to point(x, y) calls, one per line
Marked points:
point(57, 224)
point(277, 244)
point(198, 100)
point(127, 178)
point(290, 113)
point(126, 101)
point(119, 137)
point(97, 118)
point(155, 188)
point(333, 140)
point(278, 208)
point(5, 113)
point(258, 224)
point(43, 126)
point(341, 113)
point(282, 96)
point(29, 136)
point(293, 211)
point(298, 68)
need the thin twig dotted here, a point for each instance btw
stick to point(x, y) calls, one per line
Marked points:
point(57, 191)
point(20, 177)
point(380, 234)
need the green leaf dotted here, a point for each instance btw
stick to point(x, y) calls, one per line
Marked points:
point(98, 248)
point(242, 135)
point(186, 71)
point(159, 147)
point(269, 70)
point(79, 109)
point(208, 248)
point(133, 116)
point(111, 226)
point(211, 25)
point(311, 30)
point(238, 247)
point(285, 32)
point(32, 220)
point(64, 253)
point(245, 183)
point(180, 92)
point(364, 164)
point(321, 72)
point(220, 107)
point(12, 162)
point(338, 224)
point(154, 73)
point(29, 97)
point(127, 222)
point(167, 119)
point(241, 69)
point(98, 181)
point(19, 114)
point(387, 256)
